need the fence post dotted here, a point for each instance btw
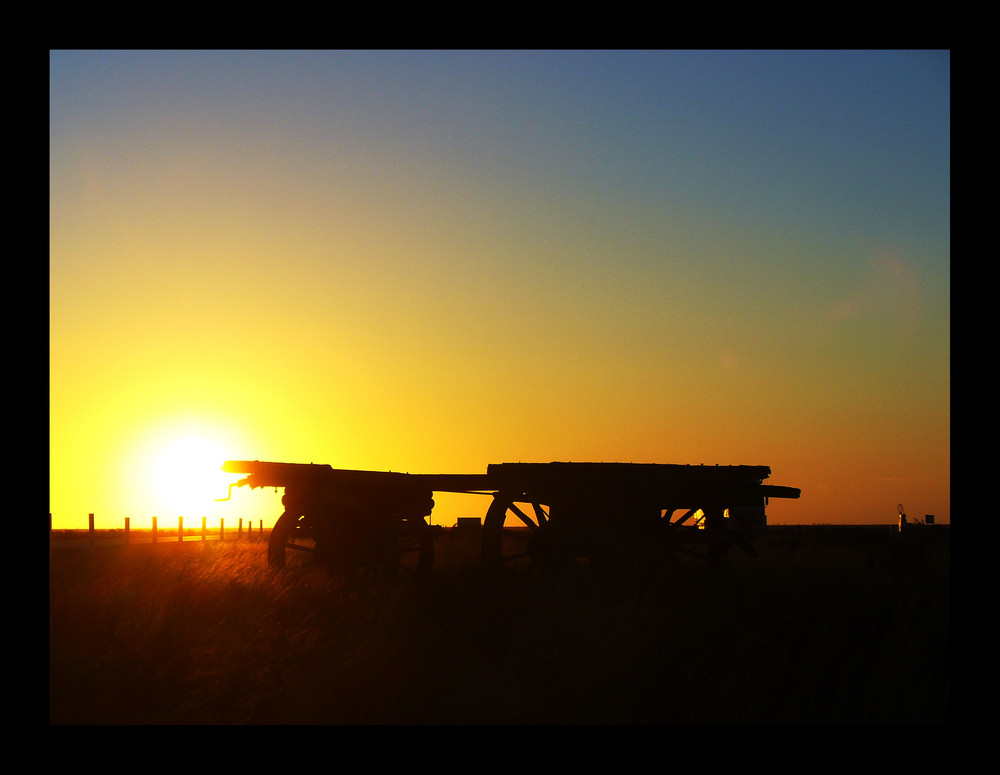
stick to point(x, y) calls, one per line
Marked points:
point(222, 528)
point(128, 535)
point(204, 523)
point(90, 519)
point(154, 530)
point(239, 529)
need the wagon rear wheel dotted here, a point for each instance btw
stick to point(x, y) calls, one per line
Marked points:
point(519, 533)
point(701, 533)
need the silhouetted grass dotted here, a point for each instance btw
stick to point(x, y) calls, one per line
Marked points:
point(821, 628)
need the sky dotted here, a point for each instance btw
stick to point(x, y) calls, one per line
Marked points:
point(429, 261)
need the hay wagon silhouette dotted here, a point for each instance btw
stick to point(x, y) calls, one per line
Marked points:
point(541, 514)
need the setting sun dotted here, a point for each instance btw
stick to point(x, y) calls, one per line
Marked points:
point(171, 468)
point(186, 476)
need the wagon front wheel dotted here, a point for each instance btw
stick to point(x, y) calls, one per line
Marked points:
point(290, 542)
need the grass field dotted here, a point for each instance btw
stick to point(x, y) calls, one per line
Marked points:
point(837, 625)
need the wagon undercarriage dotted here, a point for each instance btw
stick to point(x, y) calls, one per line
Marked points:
point(382, 549)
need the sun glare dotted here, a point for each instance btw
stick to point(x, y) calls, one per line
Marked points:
point(187, 477)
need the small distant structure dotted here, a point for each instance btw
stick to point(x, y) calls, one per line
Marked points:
point(905, 525)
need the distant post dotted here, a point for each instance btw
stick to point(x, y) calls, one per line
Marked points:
point(222, 528)
point(180, 528)
point(204, 528)
point(128, 535)
point(91, 521)
point(239, 529)
point(154, 530)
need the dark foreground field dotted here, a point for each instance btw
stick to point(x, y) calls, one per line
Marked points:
point(834, 625)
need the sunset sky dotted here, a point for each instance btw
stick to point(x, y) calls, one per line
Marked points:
point(431, 261)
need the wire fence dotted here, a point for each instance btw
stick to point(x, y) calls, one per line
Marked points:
point(161, 535)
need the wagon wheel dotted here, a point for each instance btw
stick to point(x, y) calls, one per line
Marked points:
point(291, 541)
point(698, 532)
point(534, 540)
